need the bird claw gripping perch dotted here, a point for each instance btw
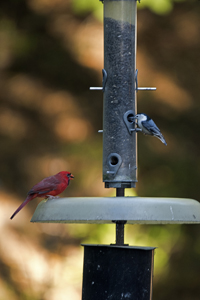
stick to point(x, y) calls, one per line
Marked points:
point(49, 197)
point(136, 129)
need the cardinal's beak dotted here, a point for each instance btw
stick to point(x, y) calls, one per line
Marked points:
point(71, 176)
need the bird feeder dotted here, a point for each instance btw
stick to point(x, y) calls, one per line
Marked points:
point(119, 271)
point(119, 145)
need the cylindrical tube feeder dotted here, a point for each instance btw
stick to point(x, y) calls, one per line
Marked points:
point(113, 272)
point(119, 143)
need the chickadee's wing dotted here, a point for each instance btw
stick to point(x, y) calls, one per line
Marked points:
point(151, 127)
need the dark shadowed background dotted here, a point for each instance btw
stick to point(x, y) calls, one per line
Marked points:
point(51, 52)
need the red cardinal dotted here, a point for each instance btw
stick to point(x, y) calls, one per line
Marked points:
point(50, 186)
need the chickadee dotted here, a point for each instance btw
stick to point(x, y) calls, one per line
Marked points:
point(147, 126)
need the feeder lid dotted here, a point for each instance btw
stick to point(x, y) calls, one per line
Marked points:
point(135, 210)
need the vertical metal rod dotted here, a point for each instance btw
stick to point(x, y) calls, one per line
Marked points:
point(120, 233)
point(120, 224)
point(120, 192)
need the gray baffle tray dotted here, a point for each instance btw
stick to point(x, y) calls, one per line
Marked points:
point(135, 210)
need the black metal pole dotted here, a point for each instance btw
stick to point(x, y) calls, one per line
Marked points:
point(120, 192)
point(120, 224)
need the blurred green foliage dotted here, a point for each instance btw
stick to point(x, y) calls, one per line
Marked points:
point(82, 7)
point(160, 7)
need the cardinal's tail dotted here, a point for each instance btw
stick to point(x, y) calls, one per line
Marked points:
point(29, 198)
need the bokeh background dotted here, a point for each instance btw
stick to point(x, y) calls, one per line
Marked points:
point(51, 52)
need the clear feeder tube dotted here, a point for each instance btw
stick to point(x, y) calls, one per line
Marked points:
point(119, 145)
